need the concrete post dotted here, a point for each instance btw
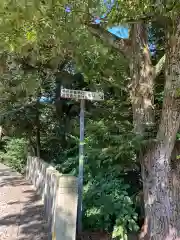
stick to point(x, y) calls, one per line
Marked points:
point(66, 209)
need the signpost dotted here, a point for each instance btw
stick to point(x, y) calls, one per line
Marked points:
point(82, 96)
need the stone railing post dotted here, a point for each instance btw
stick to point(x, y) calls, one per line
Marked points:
point(59, 194)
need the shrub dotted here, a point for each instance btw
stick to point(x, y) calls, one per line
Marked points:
point(108, 206)
point(15, 153)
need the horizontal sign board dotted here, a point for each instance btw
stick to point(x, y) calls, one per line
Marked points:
point(78, 94)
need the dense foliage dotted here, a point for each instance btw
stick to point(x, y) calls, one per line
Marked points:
point(49, 44)
point(109, 149)
point(14, 153)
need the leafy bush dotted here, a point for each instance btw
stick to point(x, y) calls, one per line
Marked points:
point(108, 206)
point(15, 153)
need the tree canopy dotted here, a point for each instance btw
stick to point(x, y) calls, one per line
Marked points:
point(49, 44)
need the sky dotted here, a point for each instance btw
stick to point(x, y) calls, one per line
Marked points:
point(118, 31)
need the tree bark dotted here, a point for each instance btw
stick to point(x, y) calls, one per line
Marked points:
point(156, 176)
point(160, 189)
point(37, 129)
point(160, 193)
point(142, 80)
point(175, 175)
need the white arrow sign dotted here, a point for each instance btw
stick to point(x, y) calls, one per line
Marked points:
point(78, 95)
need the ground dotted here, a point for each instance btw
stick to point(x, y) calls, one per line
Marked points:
point(21, 209)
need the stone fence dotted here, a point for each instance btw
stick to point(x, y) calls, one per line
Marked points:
point(59, 194)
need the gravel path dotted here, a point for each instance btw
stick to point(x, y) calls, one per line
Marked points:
point(21, 210)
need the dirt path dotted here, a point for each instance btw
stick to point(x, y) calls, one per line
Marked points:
point(21, 210)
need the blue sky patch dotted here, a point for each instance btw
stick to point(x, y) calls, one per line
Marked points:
point(119, 31)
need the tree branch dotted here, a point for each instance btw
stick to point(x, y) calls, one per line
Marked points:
point(122, 45)
point(159, 66)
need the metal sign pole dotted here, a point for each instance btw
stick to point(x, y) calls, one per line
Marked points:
point(81, 166)
point(82, 96)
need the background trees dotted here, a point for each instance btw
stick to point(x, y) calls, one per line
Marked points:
point(137, 123)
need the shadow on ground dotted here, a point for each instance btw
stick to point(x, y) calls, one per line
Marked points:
point(31, 220)
point(9, 177)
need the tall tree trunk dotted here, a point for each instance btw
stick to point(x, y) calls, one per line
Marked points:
point(156, 173)
point(174, 188)
point(31, 148)
point(142, 75)
point(142, 82)
point(160, 193)
point(175, 175)
point(37, 129)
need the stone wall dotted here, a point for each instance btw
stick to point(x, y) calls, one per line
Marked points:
point(59, 193)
